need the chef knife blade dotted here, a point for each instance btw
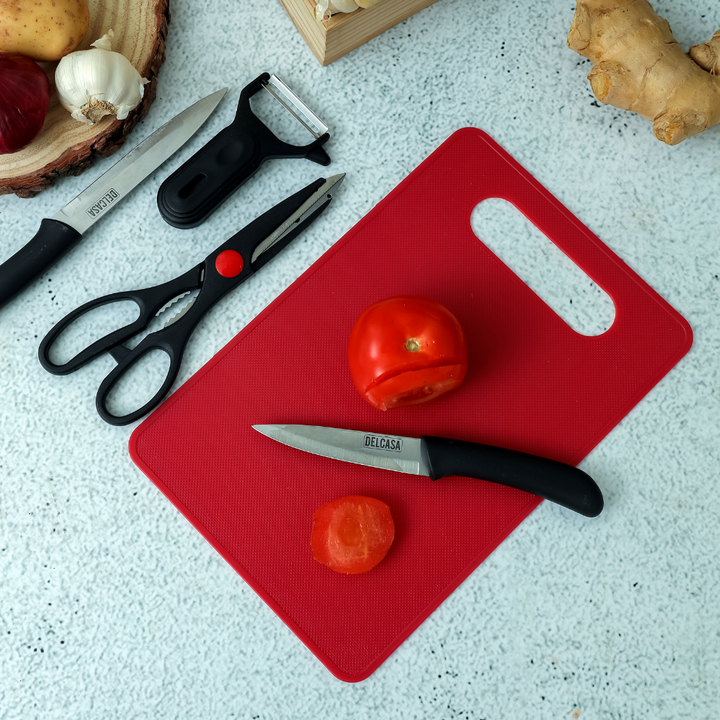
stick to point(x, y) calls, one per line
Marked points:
point(60, 232)
point(436, 457)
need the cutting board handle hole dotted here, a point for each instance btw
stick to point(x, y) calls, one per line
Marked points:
point(543, 266)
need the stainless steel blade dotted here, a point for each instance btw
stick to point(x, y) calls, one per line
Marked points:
point(187, 301)
point(113, 185)
point(306, 209)
point(389, 452)
point(295, 106)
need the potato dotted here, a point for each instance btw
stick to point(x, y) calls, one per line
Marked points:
point(43, 30)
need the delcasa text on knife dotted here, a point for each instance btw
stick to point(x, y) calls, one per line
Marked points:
point(104, 202)
point(383, 442)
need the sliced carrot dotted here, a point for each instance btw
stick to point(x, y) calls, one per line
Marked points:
point(352, 534)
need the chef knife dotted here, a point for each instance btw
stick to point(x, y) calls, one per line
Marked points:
point(60, 232)
point(437, 457)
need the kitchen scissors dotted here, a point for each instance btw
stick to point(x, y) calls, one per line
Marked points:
point(224, 269)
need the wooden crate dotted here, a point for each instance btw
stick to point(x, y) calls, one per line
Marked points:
point(336, 36)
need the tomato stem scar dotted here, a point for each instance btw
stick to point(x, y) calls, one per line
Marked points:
point(412, 345)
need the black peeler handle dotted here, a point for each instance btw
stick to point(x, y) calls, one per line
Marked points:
point(208, 178)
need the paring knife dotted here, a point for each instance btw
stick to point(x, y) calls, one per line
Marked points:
point(437, 457)
point(60, 232)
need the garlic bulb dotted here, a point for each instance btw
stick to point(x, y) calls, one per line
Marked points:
point(98, 82)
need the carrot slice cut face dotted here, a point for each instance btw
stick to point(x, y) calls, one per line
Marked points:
point(352, 534)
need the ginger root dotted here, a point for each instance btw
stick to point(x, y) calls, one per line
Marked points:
point(639, 66)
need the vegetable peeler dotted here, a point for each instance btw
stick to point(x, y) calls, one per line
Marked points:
point(198, 187)
point(224, 269)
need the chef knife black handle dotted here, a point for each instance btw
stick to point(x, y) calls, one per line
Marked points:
point(558, 482)
point(50, 243)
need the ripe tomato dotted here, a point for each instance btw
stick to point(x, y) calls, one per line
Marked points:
point(352, 534)
point(406, 350)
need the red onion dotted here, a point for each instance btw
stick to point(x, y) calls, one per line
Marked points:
point(24, 99)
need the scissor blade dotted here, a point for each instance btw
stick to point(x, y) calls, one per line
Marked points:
point(117, 182)
point(180, 306)
point(307, 210)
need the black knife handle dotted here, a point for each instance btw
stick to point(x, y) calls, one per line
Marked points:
point(50, 243)
point(558, 482)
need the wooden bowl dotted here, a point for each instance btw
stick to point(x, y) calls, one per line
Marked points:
point(68, 147)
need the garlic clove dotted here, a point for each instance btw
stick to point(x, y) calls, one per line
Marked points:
point(98, 82)
point(325, 8)
point(343, 6)
point(321, 9)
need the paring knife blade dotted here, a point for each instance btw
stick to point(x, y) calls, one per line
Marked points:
point(436, 457)
point(62, 231)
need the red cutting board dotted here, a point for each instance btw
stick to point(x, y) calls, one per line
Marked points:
point(533, 384)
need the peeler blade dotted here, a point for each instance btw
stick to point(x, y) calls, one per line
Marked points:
point(295, 106)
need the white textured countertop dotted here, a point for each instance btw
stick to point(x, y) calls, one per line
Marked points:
point(113, 606)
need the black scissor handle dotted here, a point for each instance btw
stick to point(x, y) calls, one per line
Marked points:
point(100, 346)
point(127, 359)
point(149, 302)
point(172, 341)
point(127, 362)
